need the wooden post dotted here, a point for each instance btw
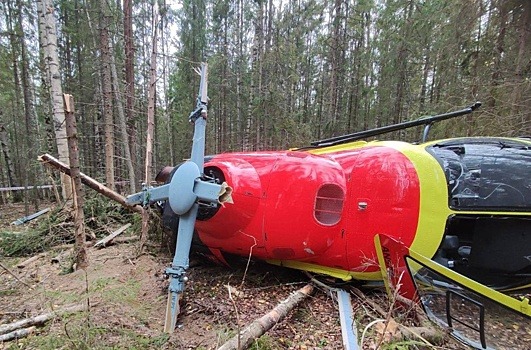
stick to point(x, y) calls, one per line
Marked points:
point(80, 253)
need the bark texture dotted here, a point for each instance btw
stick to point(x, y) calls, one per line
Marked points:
point(48, 35)
point(264, 323)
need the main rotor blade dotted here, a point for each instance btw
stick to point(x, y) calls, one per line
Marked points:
point(180, 203)
point(179, 266)
point(198, 145)
point(173, 309)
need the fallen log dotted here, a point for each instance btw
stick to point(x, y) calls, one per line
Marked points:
point(125, 239)
point(427, 334)
point(89, 244)
point(103, 242)
point(30, 260)
point(20, 333)
point(261, 325)
point(90, 182)
point(40, 319)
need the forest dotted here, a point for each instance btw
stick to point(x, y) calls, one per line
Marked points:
point(282, 73)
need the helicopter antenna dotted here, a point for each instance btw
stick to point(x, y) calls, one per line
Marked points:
point(426, 121)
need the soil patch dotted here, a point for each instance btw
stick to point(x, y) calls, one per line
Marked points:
point(127, 293)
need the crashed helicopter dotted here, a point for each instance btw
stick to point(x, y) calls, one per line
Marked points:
point(334, 207)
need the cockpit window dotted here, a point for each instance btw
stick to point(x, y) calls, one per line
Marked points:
point(483, 175)
point(329, 204)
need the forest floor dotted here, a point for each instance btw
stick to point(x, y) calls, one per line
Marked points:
point(126, 294)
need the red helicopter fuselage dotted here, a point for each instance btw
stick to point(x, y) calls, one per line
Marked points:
point(319, 210)
point(465, 203)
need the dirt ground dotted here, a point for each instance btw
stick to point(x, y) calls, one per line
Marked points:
point(126, 295)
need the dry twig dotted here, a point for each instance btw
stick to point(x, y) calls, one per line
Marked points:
point(12, 274)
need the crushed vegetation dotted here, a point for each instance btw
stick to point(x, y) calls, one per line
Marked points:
point(57, 227)
point(126, 295)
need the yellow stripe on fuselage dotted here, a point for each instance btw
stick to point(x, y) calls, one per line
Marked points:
point(329, 271)
point(434, 209)
point(433, 206)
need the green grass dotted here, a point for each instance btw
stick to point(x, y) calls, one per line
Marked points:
point(8, 292)
point(77, 332)
point(63, 298)
point(265, 342)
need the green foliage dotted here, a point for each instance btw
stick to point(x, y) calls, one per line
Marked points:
point(57, 227)
point(34, 239)
point(281, 73)
point(82, 335)
point(265, 342)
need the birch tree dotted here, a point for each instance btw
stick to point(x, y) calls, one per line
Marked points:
point(48, 38)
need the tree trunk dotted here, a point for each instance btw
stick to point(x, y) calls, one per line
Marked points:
point(5, 149)
point(499, 50)
point(150, 121)
point(335, 52)
point(520, 104)
point(151, 102)
point(123, 125)
point(48, 37)
point(19, 333)
point(19, 111)
point(90, 182)
point(239, 80)
point(40, 319)
point(107, 94)
point(401, 65)
point(425, 73)
point(33, 142)
point(80, 253)
point(130, 79)
point(254, 90)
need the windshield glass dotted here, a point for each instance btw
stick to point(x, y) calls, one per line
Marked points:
point(486, 174)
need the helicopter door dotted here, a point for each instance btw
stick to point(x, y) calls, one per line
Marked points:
point(383, 195)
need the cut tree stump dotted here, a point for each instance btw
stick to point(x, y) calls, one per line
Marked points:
point(261, 325)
